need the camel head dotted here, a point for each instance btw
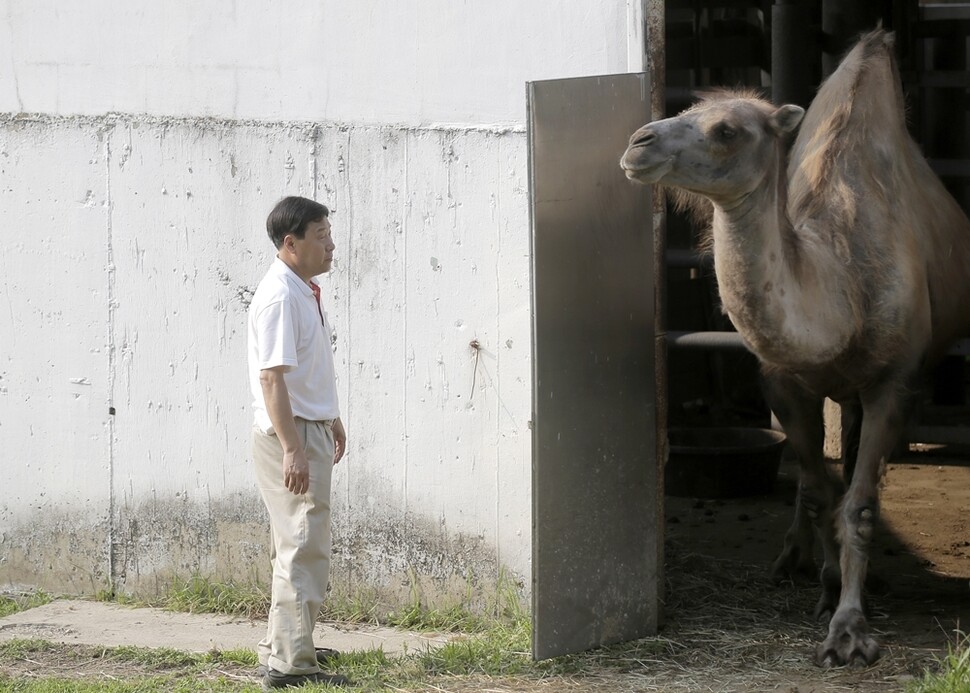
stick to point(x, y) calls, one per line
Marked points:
point(720, 148)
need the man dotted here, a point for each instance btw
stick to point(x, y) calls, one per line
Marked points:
point(297, 437)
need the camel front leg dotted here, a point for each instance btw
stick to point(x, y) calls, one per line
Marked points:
point(848, 640)
point(800, 414)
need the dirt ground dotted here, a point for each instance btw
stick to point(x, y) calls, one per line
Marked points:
point(919, 587)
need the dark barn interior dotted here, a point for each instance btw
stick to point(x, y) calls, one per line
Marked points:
point(785, 49)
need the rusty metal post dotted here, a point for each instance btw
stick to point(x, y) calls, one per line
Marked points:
point(656, 51)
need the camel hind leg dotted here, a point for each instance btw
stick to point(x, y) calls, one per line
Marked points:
point(800, 414)
point(884, 416)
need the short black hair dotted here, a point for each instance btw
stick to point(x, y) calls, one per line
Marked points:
point(290, 217)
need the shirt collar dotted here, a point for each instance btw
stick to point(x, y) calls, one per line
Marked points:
point(282, 269)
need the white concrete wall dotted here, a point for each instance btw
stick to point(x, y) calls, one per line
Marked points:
point(141, 148)
point(55, 431)
point(363, 61)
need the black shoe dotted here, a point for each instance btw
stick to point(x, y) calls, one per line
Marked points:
point(276, 679)
point(324, 656)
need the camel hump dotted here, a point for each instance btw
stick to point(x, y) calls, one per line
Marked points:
point(857, 120)
point(876, 40)
point(862, 96)
point(877, 88)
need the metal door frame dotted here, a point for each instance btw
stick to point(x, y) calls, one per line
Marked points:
point(597, 520)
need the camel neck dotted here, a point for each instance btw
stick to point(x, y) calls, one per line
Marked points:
point(755, 259)
point(769, 279)
point(753, 239)
point(757, 222)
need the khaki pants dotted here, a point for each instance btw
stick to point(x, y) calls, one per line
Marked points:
point(300, 551)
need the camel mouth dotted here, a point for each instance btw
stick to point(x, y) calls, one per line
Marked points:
point(635, 176)
point(646, 173)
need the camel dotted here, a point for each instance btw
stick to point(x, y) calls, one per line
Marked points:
point(843, 263)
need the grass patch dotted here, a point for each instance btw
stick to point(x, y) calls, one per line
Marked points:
point(38, 666)
point(456, 619)
point(199, 595)
point(495, 642)
point(503, 610)
point(14, 603)
point(363, 607)
point(953, 673)
point(149, 685)
point(110, 596)
point(23, 648)
point(476, 611)
point(41, 667)
point(499, 647)
point(147, 658)
point(477, 655)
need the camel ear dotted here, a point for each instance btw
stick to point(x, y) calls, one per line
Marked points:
point(787, 118)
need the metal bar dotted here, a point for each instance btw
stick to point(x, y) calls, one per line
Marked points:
point(950, 167)
point(943, 79)
point(791, 77)
point(937, 12)
point(940, 435)
point(685, 258)
point(733, 341)
point(705, 340)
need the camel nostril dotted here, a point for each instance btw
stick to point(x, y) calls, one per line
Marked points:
point(643, 139)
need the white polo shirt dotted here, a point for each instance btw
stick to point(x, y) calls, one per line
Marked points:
point(286, 328)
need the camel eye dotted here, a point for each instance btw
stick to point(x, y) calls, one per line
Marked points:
point(724, 132)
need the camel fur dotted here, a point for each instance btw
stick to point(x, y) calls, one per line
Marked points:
point(845, 266)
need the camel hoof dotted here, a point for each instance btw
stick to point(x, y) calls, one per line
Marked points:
point(848, 642)
point(828, 658)
point(828, 661)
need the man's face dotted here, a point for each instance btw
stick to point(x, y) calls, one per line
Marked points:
point(315, 250)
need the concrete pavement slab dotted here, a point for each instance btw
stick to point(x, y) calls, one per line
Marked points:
point(112, 625)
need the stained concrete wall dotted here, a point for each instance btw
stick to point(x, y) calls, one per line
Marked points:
point(141, 147)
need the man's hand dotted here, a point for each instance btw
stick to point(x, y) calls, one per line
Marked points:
point(296, 471)
point(339, 440)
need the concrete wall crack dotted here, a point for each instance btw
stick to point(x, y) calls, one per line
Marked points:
point(110, 337)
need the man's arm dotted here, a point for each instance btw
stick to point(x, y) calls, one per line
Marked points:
point(296, 469)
